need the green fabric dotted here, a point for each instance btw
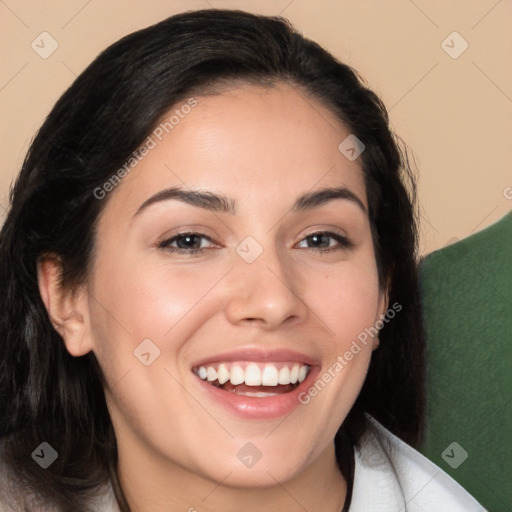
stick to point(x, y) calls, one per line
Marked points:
point(467, 300)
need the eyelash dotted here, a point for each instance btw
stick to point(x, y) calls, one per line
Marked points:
point(343, 243)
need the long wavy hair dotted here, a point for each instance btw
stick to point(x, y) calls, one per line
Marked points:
point(94, 128)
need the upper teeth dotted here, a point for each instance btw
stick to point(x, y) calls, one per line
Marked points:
point(254, 374)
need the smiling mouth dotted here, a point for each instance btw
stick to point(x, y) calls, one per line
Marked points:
point(253, 379)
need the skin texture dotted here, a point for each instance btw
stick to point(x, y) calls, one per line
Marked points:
point(262, 147)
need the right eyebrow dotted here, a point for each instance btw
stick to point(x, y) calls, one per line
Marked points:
point(207, 200)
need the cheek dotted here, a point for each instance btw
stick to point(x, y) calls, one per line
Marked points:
point(158, 304)
point(346, 298)
point(347, 301)
point(132, 303)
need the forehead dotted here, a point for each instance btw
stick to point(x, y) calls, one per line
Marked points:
point(252, 143)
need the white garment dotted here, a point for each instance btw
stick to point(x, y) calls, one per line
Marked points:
point(390, 476)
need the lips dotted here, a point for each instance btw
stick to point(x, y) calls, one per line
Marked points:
point(256, 384)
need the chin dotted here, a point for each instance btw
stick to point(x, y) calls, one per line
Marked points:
point(249, 467)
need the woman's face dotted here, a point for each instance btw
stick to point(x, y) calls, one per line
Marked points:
point(284, 282)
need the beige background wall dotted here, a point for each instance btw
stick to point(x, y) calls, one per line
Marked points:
point(454, 113)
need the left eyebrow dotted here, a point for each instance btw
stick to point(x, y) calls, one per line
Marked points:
point(222, 204)
point(324, 195)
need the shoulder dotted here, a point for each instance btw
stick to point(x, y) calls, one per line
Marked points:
point(391, 475)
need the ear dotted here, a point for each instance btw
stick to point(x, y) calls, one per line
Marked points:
point(68, 310)
point(383, 301)
point(381, 311)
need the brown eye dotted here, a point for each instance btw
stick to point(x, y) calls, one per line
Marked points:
point(185, 243)
point(325, 241)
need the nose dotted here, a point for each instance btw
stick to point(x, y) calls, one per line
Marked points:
point(265, 293)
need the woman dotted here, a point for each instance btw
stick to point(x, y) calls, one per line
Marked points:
point(208, 286)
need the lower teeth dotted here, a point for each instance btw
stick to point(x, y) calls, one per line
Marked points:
point(256, 391)
point(257, 394)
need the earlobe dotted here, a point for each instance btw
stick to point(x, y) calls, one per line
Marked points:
point(67, 309)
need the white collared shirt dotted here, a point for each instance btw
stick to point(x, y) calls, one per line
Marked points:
point(391, 476)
